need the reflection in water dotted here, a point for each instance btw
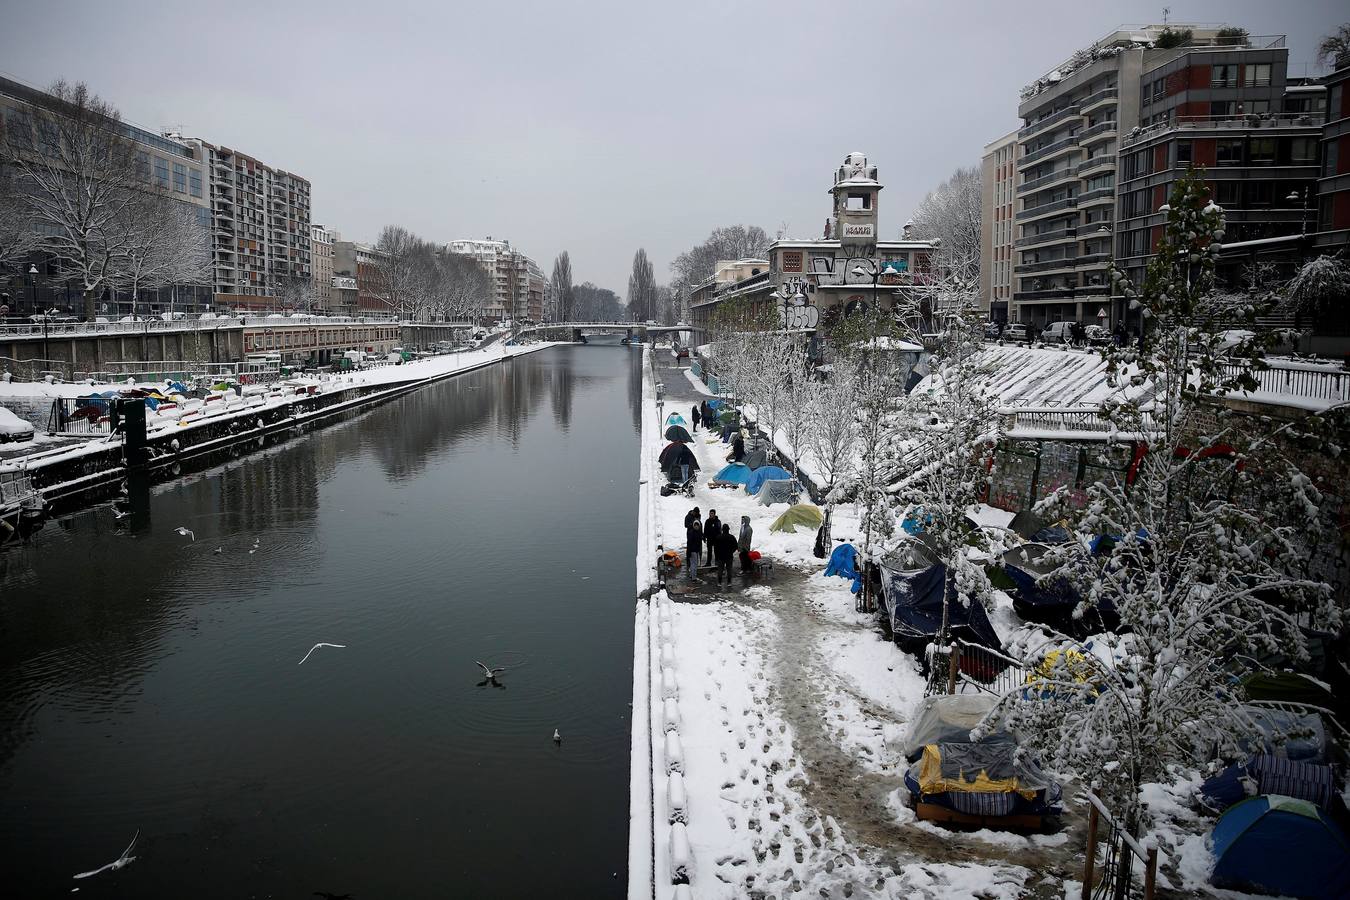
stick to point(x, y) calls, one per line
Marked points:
point(150, 682)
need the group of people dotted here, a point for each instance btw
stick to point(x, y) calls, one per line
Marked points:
point(723, 546)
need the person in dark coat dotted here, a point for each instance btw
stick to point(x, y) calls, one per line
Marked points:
point(693, 548)
point(726, 552)
point(696, 416)
point(743, 544)
point(712, 530)
point(1079, 332)
point(694, 515)
point(737, 448)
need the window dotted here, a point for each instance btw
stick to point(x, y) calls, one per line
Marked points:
point(1223, 76)
point(1228, 152)
point(1159, 90)
point(1329, 162)
point(142, 165)
point(1183, 153)
point(1334, 102)
point(1098, 182)
point(1221, 108)
point(1256, 107)
point(1261, 152)
point(858, 202)
point(161, 172)
point(195, 182)
point(179, 178)
point(1259, 194)
point(1303, 151)
point(1257, 75)
point(1227, 193)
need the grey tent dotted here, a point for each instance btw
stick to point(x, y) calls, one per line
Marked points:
point(779, 490)
point(754, 459)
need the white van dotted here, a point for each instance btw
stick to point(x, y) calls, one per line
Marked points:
point(1058, 333)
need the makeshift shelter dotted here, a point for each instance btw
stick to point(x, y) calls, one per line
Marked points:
point(844, 563)
point(676, 419)
point(948, 718)
point(1040, 596)
point(763, 473)
point(1300, 736)
point(674, 456)
point(1280, 845)
point(678, 433)
point(912, 586)
point(1286, 687)
point(756, 459)
point(1264, 774)
point(736, 473)
point(779, 490)
point(799, 515)
point(982, 784)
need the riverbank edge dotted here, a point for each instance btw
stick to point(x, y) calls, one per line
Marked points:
point(69, 493)
point(641, 799)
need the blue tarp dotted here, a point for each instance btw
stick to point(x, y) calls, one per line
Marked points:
point(914, 604)
point(733, 474)
point(1278, 845)
point(715, 403)
point(844, 563)
point(1053, 601)
point(1271, 775)
point(763, 474)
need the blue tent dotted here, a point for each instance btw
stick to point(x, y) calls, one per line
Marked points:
point(763, 474)
point(1278, 845)
point(733, 474)
point(675, 419)
point(844, 563)
point(914, 605)
point(715, 403)
point(1272, 775)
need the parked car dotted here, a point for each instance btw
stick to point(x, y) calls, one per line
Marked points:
point(1097, 335)
point(1015, 331)
point(12, 428)
point(1058, 333)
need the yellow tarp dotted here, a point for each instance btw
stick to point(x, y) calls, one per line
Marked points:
point(932, 781)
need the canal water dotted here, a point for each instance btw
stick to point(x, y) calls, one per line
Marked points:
point(150, 683)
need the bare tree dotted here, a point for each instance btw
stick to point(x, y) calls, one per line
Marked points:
point(729, 242)
point(641, 288)
point(1334, 45)
point(294, 292)
point(77, 172)
point(951, 215)
point(18, 237)
point(160, 243)
point(400, 268)
point(462, 288)
point(562, 286)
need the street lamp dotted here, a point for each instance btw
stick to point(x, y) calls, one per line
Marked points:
point(32, 280)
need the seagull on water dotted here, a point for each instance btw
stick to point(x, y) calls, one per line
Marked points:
point(317, 646)
point(489, 673)
point(557, 738)
point(116, 864)
point(185, 532)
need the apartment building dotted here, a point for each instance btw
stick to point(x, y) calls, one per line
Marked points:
point(1333, 208)
point(260, 229)
point(998, 182)
point(517, 282)
point(321, 254)
point(1232, 113)
point(358, 279)
point(165, 166)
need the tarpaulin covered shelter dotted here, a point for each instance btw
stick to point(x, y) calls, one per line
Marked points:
point(756, 459)
point(912, 587)
point(799, 515)
point(678, 433)
point(762, 474)
point(676, 455)
point(948, 718)
point(982, 783)
point(1040, 596)
point(735, 473)
point(844, 563)
point(1279, 845)
point(1264, 774)
point(1300, 736)
point(779, 490)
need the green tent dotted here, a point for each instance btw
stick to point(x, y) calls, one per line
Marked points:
point(798, 515)
point(1289, 687)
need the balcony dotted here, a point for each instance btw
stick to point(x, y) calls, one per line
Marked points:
point(1046, 209)
point(1098, 100)
point(1103, 162)
point(1102, 131)
point(1052, 119)
point(1047, 237)
point(1066, 264)
point(1246, 124)
point(1055, 177)
point(1091, 198)
point(1092, 260)
point(1048, 151)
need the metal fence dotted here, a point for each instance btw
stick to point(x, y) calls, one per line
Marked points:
point(72, 415)
point(1112, 854)
point(975, 667)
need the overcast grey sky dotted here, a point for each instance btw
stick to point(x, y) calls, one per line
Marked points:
point(592, 127)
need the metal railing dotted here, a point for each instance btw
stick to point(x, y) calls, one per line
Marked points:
point(1042, 152)
point(1118, 851)
point(1046, 208)
point(1045, 122)
point(79, 329)
point(1046, 237)
point(16, 488)
point(1306, 382)
point(1101, 159)
point(1245, 122)
point(1035, 184)
point(974, 666)
point(1093, 99)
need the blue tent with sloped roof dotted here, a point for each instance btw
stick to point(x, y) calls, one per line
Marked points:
point(844, 563)
point(1279, 845)
point(763, 474)
point(735, 473)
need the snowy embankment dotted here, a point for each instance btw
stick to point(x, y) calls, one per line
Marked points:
point(175, 419)
point(640, 813)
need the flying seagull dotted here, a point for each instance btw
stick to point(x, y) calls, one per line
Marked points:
point(185, 532)
point(316, 647)
point(116, 864)
point(490, 674)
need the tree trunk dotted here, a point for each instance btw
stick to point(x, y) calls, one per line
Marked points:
point(90, 298)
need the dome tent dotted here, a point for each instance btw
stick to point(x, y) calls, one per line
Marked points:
point(1278, 845)
point(799, 515)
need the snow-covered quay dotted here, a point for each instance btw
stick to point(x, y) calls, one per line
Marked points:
point(768, 725)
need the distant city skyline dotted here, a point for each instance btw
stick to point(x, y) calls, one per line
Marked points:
point(595, 130)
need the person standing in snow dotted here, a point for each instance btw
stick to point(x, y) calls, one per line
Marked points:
point(694, 515)
point(737, 448)
point(712, 530)
point(726, 552)
point(743, 544)
point(695, 416)
point(693, 548)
